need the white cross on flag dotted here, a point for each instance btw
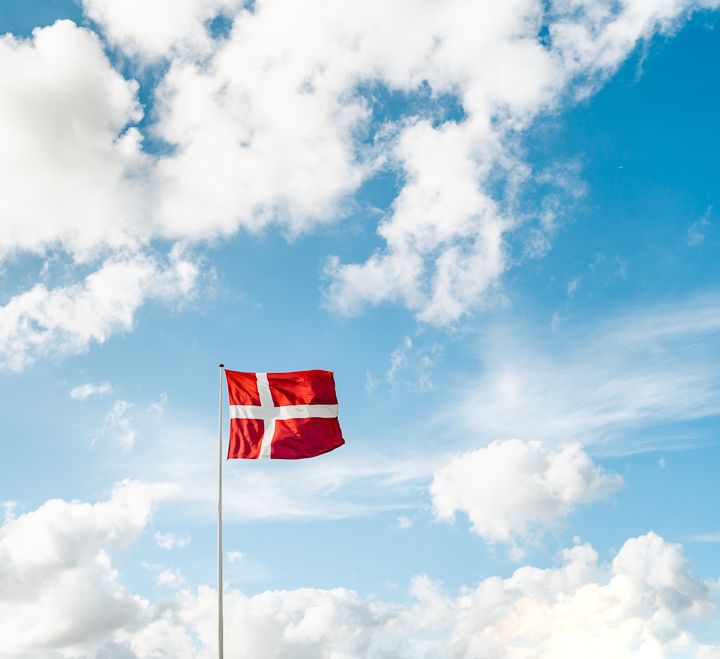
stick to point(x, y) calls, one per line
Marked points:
point(284, 416)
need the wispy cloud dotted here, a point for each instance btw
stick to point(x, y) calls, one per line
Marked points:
point(697, 230)
point(410, 367)
point(122, 420)
point(336, 485)
point(620, 384)
point(118, 424)
point(85, 391)
point(704, 537)
point(617, 387)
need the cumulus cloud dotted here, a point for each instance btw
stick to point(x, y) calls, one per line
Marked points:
point(637, 606)
point(446, 233)
point(87, 390)
point(159, 28)
point(266, 133)
point(61, 597)
point(57, 568)
point(71, 166)
point(640, 605)
point(8, 508)
point(66, 320)
point(274, 124)
point(75, 180)
point(511, 488)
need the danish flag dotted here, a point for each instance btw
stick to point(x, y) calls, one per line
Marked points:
point(284, 416)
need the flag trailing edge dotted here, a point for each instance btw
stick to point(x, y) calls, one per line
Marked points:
point(285, 416)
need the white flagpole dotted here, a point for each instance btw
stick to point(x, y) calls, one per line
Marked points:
point(219, 528)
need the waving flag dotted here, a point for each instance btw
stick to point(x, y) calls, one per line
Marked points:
point(284, 416)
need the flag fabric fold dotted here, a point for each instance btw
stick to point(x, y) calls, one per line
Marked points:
point(285, 416)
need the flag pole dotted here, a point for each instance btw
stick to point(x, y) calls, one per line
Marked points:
point(219, 528)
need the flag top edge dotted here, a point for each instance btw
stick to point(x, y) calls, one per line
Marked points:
point(318, 371)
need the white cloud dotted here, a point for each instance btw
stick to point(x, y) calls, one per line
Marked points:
point(274, 124)
point(511, 490)
point(696, 231)
point(446, 232)
point(337, 486)
point(618, 383)
point(612, 389)
point(75, 181)
point(122, 420)
point(159, 28)
point(573, 286)
point(118, 425)
point(371, 383)
point(583, 608)
point(645, 603)
point(410, 367)
point(705, 537)
point(235, 557)
point(55, 568)
point(8, 508)
point(171, 578)
point(175, 447)
point(397, 359)
point(66, 320)
point(87, 390)
point(71, 168)
point(266, 132)
point(638, 606)
point(404, 522)
point(615, 386)
point(170, 541)
point(303, 624)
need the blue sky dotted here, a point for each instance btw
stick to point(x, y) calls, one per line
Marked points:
point(497, 226)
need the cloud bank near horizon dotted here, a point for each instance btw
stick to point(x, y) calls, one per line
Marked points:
point(643, 603)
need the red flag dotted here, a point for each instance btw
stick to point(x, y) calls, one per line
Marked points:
point(284, 416)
